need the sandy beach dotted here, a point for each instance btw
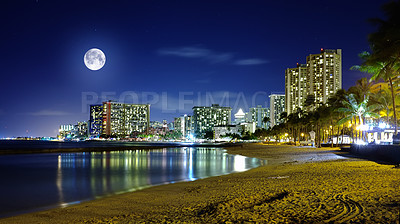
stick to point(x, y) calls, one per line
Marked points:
point(296, 185)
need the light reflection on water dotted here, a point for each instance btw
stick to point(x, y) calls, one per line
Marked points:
point(36, 181)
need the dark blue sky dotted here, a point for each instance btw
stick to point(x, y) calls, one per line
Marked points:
point(172, 54)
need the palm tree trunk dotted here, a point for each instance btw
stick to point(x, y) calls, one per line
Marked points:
point(331, 131)
point(355, 124)
point(337, 136)
point(319, 134)
point(341, 142)
point(360, 129)
point(394, 105)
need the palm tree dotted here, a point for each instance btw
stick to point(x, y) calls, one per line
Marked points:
point(385, 42)
point(355, 110)
point(266, 120)
point(283, 117)
point(334, 103)
point(380, 70)
point(362, 89)
point(384, 61)
point(383, 100)
point(293, 121)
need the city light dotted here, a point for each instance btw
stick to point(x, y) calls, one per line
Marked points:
point(383, 125)
point(360, 142)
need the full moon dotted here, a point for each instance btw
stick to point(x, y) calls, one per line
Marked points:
point(94, 59)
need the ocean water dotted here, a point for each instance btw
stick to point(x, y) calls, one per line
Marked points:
point(33, 182)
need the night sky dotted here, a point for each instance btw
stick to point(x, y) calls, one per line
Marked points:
point(172, 54)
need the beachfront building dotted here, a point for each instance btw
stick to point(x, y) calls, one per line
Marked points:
point(296, 90)
point(70, 131)
point(277, 106)
point(258, 115)
point(81, 129)
point(124, 120)
point(206, 118)
point(95, 120)
point(184, 125)
point(66, 131)
point(324, 74)
point(314, 82)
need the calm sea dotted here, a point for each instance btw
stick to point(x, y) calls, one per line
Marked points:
point(33, 182)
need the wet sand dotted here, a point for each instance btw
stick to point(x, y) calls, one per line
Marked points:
point(297, 184)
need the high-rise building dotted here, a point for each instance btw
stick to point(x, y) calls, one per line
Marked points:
point(121, 119)
point(314, 82)
point(81, 129)
point(95, 120)
point(206, 118)
point(240, 117)
point(258, 115)
point(184, 125)
point(66, 130)
point(324, 74)
point(78, 130)
point(296, 90)
point(277, 106)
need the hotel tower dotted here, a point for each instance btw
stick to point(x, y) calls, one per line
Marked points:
point(317, 80)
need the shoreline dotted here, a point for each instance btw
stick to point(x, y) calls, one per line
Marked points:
point(100, 146)
point(298, 184)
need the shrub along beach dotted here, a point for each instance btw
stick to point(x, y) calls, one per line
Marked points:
point(296, 184)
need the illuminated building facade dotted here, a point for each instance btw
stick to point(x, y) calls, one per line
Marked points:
point(95, 120)
point(257, 115)
point(240, 117)
point(184, 125)
point(315, 81)
point(296, 90)
point(324, 74)
point(206, 118)
point(81, 129)
point(122, 120)
point(66, 130)
point(78, 130)
point(277, 106)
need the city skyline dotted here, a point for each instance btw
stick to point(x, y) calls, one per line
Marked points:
point(158, 49)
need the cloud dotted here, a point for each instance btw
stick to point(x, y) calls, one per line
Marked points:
point(201, 81)
point(48, 113)
point(186, 52)
point(208, 55)
point(197, 52)
point(251, 61)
